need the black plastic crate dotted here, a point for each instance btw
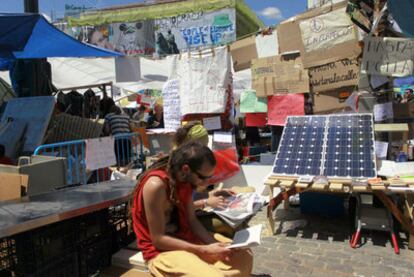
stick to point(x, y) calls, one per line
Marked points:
point(8, 258)
point(94, 256)
point(43, 246)
point(92, 226)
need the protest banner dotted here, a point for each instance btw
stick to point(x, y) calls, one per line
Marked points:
point(388, 56)
point(204, 79)
point(281, 106)
point(334, 75)
point(171, 103)
point(256, 119)
point(274, 75)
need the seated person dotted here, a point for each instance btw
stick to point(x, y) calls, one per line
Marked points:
point(172, 240)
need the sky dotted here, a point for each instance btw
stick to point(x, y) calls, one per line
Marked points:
point(270, 11)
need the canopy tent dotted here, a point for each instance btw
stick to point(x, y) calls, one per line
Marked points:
point(31, 36)
point(72, 72)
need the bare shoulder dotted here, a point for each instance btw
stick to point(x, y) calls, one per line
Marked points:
point(154, 184)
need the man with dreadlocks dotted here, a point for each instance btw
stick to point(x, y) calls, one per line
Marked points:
point(172, 240)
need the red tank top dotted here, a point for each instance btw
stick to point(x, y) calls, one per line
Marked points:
point(140, 224)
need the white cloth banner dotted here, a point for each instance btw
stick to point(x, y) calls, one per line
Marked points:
point(171, 103)
point(203, 77)
point(267, 46)
point(388, 56)
point(327, 30)
point(99, 153)
point(127, 69)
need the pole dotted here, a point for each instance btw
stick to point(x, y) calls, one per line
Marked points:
point(31, 6)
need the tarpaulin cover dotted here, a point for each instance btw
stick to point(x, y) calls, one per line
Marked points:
point(31, 36)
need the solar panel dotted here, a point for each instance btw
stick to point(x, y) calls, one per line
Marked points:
point(331, 145)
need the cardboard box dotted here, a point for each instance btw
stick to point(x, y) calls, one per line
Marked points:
point(277, 75)
point(403, 110)
point(329, 102)
point(243, 52)
point(12, 185)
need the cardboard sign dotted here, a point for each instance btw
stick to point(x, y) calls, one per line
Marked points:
point(334, 75)
point(256, 119)
point(267, 45)
point(12, 185)
point(326, 103)
point(388, 56)
point(243, 52)
point(274, 75)
point(322, 49)
point(327, 30)
point(280, 107)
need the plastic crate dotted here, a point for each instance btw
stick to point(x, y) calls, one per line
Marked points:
point(94, 256)
point(92, 225)
point(120, 222)
point(8, 258)
point(40, 247)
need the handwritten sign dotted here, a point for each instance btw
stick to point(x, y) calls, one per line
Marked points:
point(171, 102)
point(334, 75)
point(327, 30)
point(99, 153)
point(267, 46)
point(383, 111)
point(388, 56)
point(203, 80)
point(250, 103)
point(280, 107)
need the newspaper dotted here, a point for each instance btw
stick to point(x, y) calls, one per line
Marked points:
point(240, 208)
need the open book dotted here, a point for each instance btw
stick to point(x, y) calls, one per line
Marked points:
point(240, 207)
point(249, 237)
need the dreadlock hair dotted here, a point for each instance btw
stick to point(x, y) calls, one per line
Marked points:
point(194, 154)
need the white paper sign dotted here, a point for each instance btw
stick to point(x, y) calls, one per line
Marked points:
point(99, 153)
point(327, 30)
point(388, 56)
point(381, 149)
point(203, 80)
point(212, 123)
point(171, 103)
point(267, 46)
point(378, 80)
point(223, 137)
point(383, 111)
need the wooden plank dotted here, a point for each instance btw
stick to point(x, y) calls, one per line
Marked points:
point(271, 182)
point(391, 127)
point(302, 185)
point(319, 186)
point(378, 188)
point(360, 188)
point(336, 187)
point(286, 183)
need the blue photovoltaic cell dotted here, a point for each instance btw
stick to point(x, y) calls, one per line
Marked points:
point(334, 146)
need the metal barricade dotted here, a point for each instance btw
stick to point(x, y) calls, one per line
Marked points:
point(128, 149)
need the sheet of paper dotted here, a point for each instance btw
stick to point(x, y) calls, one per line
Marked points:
point(381, 149)
point(247, 237)
point(386, 168)
point(280, 107)
point(267, 46)
point(100, 153)
point(171, 103)
point(224, 137)
point(256, 119)
point(204, 79)
point(383, 111)
point(212, 123)
point(250, 103)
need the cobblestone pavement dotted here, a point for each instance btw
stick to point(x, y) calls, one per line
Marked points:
point(319, 246)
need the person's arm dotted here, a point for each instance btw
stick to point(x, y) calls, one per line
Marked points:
point(154, 193)
point(196, 227)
